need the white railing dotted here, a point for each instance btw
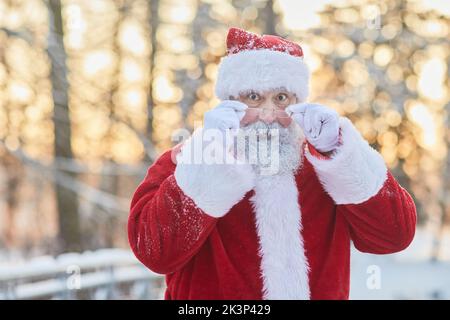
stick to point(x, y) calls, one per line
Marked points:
point(102, 274)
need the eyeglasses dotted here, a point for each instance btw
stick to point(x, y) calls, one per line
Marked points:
point(280, 99)
point(266, 115)
point(264, 112)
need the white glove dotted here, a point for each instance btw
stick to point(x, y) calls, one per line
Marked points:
point(226, 115)
point(214, 187)
point(319, 124)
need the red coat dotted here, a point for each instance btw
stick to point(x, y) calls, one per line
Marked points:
point(252, 251)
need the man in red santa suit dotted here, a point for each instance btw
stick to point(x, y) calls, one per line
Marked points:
point(274, 229)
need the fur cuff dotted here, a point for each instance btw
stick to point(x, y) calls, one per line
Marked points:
point(215, 186)
point(355, 172)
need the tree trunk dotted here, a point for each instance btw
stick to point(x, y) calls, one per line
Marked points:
point(153, 7)
point(270, 18)
point(67, 201)
point(14, 172)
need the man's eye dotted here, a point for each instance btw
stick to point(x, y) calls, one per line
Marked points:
point(282, 97)
point(253, 96)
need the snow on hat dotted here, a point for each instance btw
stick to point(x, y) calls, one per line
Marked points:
point(261, 63)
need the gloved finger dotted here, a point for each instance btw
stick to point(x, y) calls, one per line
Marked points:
point(300, 119)
point(328, 137)
point(233, 118)
point(330, 118)
point(227, 125)
point(308, 125)
point(233, 124)
point(329, 140)
point(297, 108)
point(221, 123)
point(332, 123)
point(317, 120)
point(230, 120)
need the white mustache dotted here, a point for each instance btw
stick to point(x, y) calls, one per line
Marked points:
point(280, 146)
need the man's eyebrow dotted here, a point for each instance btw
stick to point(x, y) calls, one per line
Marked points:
point(249, 91)
point(246, 92)
point(282, 89)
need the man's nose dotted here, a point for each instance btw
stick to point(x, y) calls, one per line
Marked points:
point(267, 114)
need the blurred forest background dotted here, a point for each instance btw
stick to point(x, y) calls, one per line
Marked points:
point(91, 91)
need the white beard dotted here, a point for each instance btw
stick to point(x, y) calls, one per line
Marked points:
point(284, 266)
point(270, 148)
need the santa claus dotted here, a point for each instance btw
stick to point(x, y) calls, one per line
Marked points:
point(278, 227)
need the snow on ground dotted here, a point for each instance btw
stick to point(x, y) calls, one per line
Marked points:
point(406, 275)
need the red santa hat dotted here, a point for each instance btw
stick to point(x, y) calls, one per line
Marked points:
point(261, 63)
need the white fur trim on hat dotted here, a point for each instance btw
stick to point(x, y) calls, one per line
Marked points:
point(261, 70)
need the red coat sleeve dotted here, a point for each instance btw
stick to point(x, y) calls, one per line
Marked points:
point(381, 214)
point(385, 223)
point(165, 227)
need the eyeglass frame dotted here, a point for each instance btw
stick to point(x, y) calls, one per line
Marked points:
point(264, 111)
point(281, 90)
point(274, 112)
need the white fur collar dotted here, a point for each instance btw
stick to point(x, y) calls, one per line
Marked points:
point(278, 220)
